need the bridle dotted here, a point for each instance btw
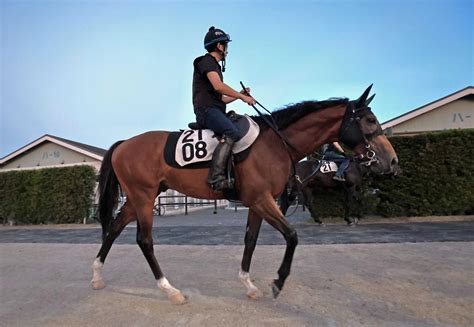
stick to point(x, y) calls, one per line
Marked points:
point(274, 126)
point(351, 133)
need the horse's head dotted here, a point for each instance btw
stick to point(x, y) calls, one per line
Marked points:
point(361, 131)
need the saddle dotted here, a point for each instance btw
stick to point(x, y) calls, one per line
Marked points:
point(232, 115)
point(193, 148)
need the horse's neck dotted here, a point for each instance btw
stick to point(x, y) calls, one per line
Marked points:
point(313, 130)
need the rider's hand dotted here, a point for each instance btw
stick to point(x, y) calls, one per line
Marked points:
point(245, 91)
point(248, 100)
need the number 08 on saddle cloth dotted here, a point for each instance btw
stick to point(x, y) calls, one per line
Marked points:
point(194, 148)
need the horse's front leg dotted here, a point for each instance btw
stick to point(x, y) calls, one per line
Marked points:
point(307, 199)
point(349, 194)
point(268, 209)
point(284, 201)
point(254, 222)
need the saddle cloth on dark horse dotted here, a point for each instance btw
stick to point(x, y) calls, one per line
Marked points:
point(327, 166)
point(193, 148)
point(318, 166)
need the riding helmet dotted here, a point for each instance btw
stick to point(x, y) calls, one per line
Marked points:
point(215, 35)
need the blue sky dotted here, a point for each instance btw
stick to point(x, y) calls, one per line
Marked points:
point(99, 71)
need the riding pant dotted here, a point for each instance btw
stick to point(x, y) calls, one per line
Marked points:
point(341, 161)
point(215, 120)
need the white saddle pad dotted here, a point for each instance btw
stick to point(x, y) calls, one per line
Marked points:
point(195, 146)
point(328, 167)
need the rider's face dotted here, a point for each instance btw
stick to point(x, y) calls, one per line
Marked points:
point(223, 47)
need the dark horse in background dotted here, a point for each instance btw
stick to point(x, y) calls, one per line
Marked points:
point(309, 175)
point(138, 166)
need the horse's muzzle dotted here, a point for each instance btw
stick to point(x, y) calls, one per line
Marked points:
point(394, 167)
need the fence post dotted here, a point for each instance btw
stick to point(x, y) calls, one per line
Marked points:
point(159, 206)
point(215, 206)
point(185, 205)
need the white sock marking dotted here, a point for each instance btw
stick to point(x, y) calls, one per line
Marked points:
point(245, 279)
point(97, 270)
point(165, 286)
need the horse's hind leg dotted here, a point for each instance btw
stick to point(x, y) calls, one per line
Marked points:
point(254, 222)
point(145, 242)
point(126, 215)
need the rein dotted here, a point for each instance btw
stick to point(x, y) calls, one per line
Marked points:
point(273, 125)
point(348, 127)
point(307, 178)
point(294, 210)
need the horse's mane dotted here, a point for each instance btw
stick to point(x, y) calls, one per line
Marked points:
point(291, 113)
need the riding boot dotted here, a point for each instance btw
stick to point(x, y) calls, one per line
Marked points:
point(217, 177)
point(339, 178)
point(340, 171)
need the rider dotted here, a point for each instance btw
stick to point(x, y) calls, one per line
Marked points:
point(334, 152)
point(210, 96)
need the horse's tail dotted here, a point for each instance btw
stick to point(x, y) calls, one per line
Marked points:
point(108, 190)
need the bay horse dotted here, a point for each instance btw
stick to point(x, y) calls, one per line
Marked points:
point(138, 166)
point(309, 176)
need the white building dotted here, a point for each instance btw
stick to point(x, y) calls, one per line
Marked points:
point(455, 111)
point(51, 151)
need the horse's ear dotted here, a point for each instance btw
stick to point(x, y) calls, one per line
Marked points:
point(369, 100)
point(363, 97)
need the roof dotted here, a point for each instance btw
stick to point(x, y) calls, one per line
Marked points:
point(428, 107)
point(87, 147)
point(89, 150)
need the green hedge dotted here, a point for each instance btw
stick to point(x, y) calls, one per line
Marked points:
point(437, 179)
point(47, 196)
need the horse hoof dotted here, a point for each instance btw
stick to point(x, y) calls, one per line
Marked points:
point(275, 290)
point(254, 294)
point(178, 298)
point(97, 284)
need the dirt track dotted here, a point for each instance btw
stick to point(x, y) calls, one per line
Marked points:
point(427, 284)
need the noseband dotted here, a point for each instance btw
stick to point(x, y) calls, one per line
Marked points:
point(351, 133)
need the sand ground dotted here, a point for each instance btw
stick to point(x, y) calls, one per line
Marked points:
point(406, 284)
